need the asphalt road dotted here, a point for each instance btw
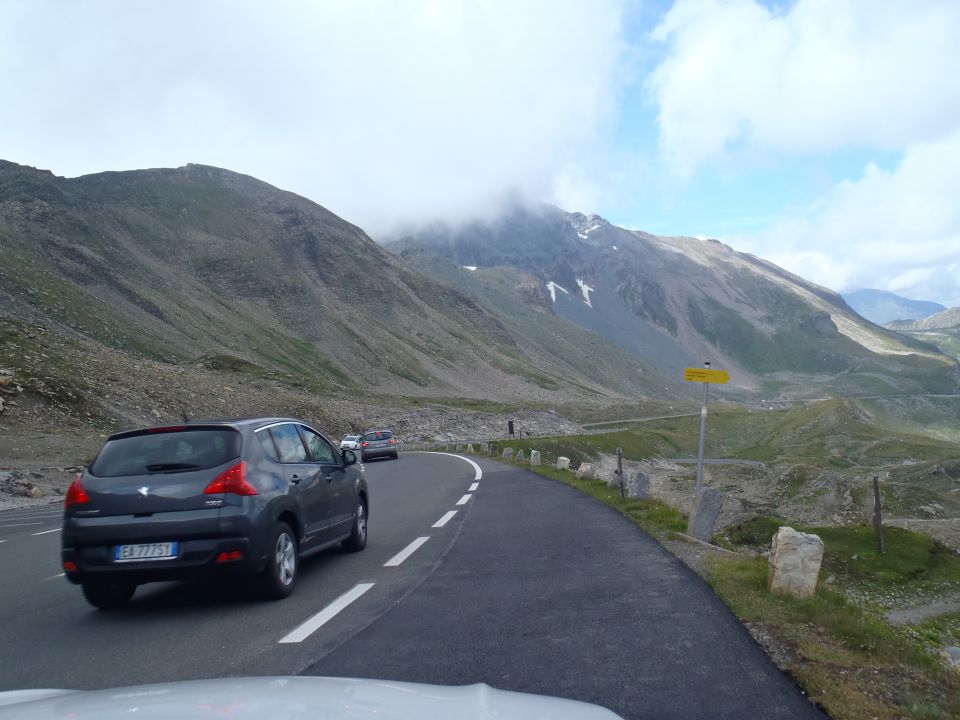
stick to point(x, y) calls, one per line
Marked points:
point(529, 586)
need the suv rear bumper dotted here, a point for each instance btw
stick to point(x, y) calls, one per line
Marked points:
point(197, 558)
point(89, 542)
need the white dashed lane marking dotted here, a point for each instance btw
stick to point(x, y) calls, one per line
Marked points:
point(406, 552)
point(445, 519)
point(45, 532)
point(307, 628)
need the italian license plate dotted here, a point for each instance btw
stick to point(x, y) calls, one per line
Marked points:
point(146, 551)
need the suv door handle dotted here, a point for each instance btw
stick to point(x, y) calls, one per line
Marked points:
point(295, 479)
point(328, 477)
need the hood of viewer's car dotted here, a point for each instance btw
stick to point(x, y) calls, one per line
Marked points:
point(293, 698)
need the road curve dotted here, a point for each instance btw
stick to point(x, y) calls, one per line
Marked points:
point(475, 571)
point(548, 591)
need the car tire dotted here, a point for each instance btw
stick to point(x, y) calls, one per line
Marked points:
point(395, 456)
point(108, 595)
point(283, 563)
point(358, 536)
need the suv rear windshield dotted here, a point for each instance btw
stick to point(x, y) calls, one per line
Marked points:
point(170, 451)
point(378, 435)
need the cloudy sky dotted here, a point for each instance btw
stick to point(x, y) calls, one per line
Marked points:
point(821, 134)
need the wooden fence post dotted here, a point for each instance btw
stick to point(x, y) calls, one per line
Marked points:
point(620, 470)
point(877, 521)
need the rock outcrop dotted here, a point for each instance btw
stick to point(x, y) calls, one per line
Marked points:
point(795, 560)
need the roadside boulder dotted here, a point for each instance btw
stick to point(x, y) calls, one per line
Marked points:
point(563, 463)
point(470, 449)
point(795, 560)
point(585, 471)
point(520, 456)
point(534, 457)
point(638, 485)
point(484, 449)
point(706, 510)
point(508, 453)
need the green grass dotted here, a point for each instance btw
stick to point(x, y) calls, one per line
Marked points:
point(850, 661)
point(654, 516)
point(851, 554)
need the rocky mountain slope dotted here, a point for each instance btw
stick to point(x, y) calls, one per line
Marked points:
point(677, 302)
point(198, 265)
point(941, 330)
point(944, 319)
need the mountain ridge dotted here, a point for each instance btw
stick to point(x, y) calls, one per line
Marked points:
point(687, 300)
point(182, 264)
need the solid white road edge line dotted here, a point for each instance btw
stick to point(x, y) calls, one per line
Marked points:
point(464, 500)
point(478, 473)
point(307, 628)
point(21, 524)
point(447, 517)
point(473, 487)
point(406, 552)
point(45, 532)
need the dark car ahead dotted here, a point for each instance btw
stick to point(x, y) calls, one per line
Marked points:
point(378, 443)
point(167, 503)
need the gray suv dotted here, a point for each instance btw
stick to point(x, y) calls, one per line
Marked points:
point(253, 496)
point(378, 443)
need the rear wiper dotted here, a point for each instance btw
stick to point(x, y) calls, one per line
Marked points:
point(171, 467)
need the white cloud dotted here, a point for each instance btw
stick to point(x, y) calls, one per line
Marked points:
point(816, 77)
point(385, 112)
point(896, 230)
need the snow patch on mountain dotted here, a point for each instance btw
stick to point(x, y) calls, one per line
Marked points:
point(585, 290)
point(471, 268)
point(614, 247)
point(553, 287)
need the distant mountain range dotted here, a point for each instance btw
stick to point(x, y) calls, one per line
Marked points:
point(198, 265)
point(676, 302)
point(882, 307)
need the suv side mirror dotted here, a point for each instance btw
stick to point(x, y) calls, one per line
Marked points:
point(349, 458)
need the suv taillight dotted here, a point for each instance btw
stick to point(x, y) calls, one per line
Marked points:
point(364, 444)
point(76, 494)
point(393, 441)
point(232, 481)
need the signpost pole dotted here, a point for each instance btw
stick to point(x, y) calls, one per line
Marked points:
point(703, 432)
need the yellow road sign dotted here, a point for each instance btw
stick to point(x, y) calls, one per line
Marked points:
point(720, 377)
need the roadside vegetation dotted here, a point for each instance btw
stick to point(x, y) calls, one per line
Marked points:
point(838, 645)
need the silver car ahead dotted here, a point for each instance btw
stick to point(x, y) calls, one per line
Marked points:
point(378, 443)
